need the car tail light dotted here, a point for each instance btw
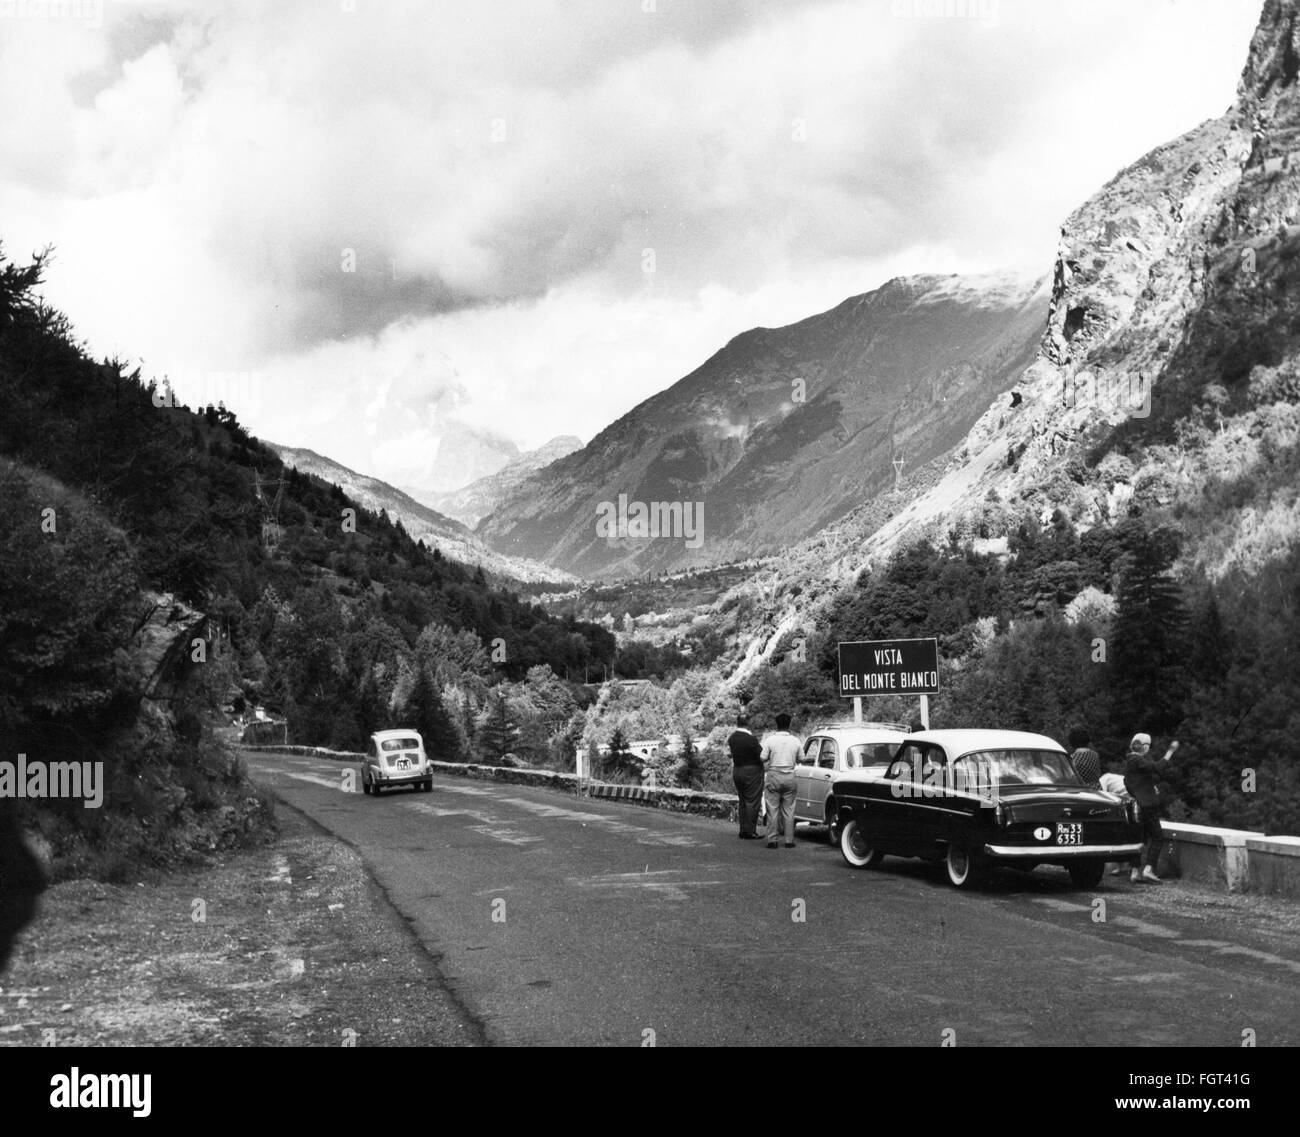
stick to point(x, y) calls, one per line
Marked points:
point(1002, 814)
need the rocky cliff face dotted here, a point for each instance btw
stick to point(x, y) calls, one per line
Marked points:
point(785, 431)
point(161, 642)
point(1166, 381)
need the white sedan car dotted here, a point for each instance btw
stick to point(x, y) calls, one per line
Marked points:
point(834, 749)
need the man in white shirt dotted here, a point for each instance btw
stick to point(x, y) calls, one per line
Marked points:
point(780, 753)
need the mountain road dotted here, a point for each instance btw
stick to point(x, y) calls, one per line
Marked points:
point(557, 919)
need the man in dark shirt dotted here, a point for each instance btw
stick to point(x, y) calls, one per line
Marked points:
point(748, 776)
point(1140, 772)
point(747, 773)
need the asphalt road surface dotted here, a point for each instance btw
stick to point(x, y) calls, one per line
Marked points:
point(564, 920)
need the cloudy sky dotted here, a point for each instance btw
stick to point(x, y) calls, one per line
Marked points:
point(370, 223)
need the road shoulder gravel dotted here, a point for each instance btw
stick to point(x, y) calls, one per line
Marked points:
point(288, 945)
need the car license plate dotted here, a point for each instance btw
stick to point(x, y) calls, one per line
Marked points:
point(405, 764)
point(1069, 833)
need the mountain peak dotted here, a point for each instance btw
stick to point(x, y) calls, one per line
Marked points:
point(784, 430)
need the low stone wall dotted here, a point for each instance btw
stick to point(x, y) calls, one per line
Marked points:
point(310, 751)
point(1206, 854)
point(721, 806)
point(1274, 864)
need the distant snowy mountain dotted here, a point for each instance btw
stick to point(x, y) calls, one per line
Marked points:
point(476, 500)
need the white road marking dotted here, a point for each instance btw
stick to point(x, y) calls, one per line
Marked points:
point(1146, 928)
point(488, 826)
point(1250, 953)
point(639, 833)
point(508, 836)
point(631, 883)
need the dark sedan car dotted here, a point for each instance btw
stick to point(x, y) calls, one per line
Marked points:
point(979, 798)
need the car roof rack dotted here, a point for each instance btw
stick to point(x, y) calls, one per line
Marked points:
point(900, 727)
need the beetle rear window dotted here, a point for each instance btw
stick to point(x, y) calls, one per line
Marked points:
point(391, 744)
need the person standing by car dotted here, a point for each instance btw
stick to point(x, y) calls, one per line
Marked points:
point(1140, 773)
point(747, 773)
point(780, 753)
point(1113, 783)
point(1085, 760)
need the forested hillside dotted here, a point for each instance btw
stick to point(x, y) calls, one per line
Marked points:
point(114, 503)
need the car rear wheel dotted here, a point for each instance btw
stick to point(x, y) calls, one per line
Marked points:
point(1086, 874)
point(963, 868)
point(428, 785)
point(832, 823)
point(365, 783)
point(856, 847)
point(375, 787)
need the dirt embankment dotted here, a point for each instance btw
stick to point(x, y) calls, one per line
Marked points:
point(290, 945)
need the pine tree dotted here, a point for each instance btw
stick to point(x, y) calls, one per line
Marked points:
point(500, 732)
point(617, 756)
point(1148, 676)
point(1210, 654)
point(371, 712)
point(690, 761)
point(427, 714)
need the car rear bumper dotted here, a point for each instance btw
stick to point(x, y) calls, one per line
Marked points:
point(1057, 852)
point(403, 779)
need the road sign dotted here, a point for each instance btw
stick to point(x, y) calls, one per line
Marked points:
point(889, 667)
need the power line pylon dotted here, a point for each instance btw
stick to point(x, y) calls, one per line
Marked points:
point(270, 511)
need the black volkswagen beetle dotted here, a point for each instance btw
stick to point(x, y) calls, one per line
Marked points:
point(979, 798)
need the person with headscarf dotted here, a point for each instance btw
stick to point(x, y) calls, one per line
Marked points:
point(1085, 760)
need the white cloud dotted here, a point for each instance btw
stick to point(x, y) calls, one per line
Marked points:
point(499, 170)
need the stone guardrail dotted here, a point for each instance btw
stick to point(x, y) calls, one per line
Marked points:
point(1234, 859)
point(1205, 854)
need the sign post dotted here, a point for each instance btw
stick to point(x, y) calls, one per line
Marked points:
point(889, 667)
